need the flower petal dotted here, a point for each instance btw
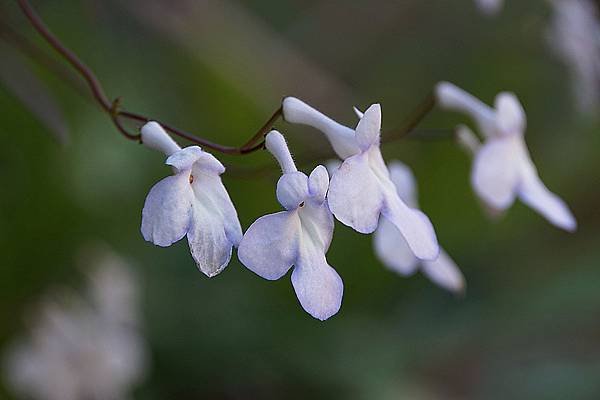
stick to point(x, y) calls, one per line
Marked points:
point(357, 112)
point(185, 158)
point(414, 226)
point(341, 137)
point(167, 210)
point(467, 139)
point(270, 246)
point(209, 245)
point(510, 116)
point(210, 191)
point(444, 273)
point(275, 143)
point(292, 190)
point(332, 166)
point(368, 128)
point(451, 97)
point(355, 197)
point(317, 224)
point(214, 228)
point(404, 181)
point(392, 250)
point(318, 183)
point(207, 163)
point(534, 193)
point(155, 137)
point(318, 287)
point(495, 172)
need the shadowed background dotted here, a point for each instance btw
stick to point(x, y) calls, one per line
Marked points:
point(528, 326)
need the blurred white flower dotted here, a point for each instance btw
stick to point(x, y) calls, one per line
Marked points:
point(489, 7)
point(360, 189)
point(393, 251)
point(574, 35)
point(191, 202)
point(502, 168)
point(391, 247)
point(113, 288)
point(299, 236)
point(82, 348)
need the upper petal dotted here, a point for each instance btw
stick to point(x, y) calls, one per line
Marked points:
point(444, 272)
point(292, 190)
point(534, 193)
point(495, 172)
point(275, 143)
point(341, 137)
point(167, 210)
point(368, 128)
point(355, 197)
point(392, 250)
point(318, 183)
point(318, 287)
point(451, 97)
point(184, 158)
point(155, 137)
point(510, 115)
point(208, 164)
point(270, 246)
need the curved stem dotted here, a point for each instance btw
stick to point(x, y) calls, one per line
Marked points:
point(112, 107)
point(418, 114)
point(83, 69)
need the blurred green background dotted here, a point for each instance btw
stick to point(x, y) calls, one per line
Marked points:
point(529, 325)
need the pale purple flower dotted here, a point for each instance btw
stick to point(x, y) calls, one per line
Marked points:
point(575, 37)
point(192, 202)
point(299, 236)
point(393, 251)
point(502, 168)
point(361, 190)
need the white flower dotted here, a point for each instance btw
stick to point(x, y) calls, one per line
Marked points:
point(361, 189)
point(78, 349)
point(575, 36)
point(502, 168)
point(191, 202)
point(113, 288)
point(490, 7)
point(299, 236)
point(392, 249)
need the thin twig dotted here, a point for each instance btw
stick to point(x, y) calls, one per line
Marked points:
point(112, 108)
point(418, 114)
point(116, 113)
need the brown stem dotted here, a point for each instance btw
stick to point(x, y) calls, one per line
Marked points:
point(75, 62)
point(418, 114)
point(112, 108)
point(264, 129)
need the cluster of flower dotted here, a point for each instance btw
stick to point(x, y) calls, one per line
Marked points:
point(83, 348)
point(363, 193)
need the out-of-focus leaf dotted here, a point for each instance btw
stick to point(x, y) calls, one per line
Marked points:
point(17, 76)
